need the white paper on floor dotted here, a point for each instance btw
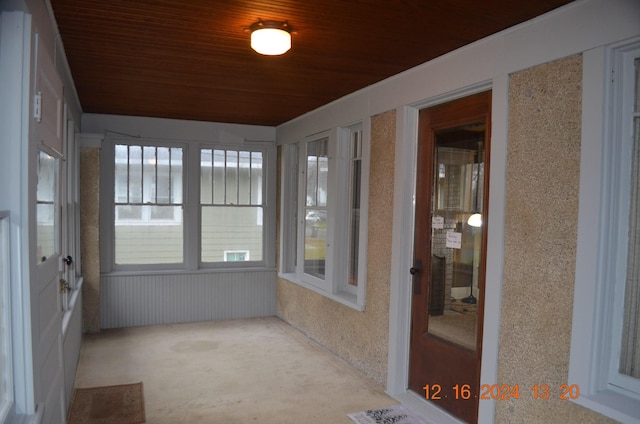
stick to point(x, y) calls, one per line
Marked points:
point(396, 414)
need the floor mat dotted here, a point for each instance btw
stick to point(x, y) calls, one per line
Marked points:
point(396, 414)
point(122, 404)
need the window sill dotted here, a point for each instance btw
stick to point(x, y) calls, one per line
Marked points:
point(613, 405)
point(128, 273)
point(347, 299)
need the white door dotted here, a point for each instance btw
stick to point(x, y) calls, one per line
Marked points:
point(71, 296)
point(45, 194)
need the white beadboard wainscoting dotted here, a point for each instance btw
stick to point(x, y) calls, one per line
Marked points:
point(135, 300)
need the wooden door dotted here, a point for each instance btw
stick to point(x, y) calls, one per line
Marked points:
point(449, 254)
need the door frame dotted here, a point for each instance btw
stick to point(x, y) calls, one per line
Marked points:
point(402, 251)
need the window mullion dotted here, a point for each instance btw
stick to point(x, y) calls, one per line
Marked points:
point(128, 174)
point(191, 206)
point(213, 174)
point(238, 178)
point(155, 175)
point(169, 180)
point(224, 197)
point(141, 175)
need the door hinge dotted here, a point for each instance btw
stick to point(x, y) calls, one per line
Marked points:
point(37, 106)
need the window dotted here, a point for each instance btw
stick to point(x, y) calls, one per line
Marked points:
point(324, 184)
point(185, 205)
point(6, 386)
point(148, 204)
point(607, 293)
point(231, 203)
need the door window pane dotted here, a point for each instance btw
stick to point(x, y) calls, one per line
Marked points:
point(456, 242)
point(46, 206)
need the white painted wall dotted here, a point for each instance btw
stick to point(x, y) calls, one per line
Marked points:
point(171, 129)
point(28, 26)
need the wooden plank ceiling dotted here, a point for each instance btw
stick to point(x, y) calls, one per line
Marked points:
point(191, 59)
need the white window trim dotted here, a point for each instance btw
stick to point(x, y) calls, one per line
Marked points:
point(292, 235)
point(602, 211)
point(107, 198)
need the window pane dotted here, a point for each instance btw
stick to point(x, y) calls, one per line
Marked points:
point(354, 225)
point(149, 186)
point(244, 178)
point(312, 180)
point(315, 242)
point(176, 175)
point(135, 174)
point(206, 176)
point(153, 237)
point(317, 172)
point(315, 232)
point(231, 197)
point(289, 212)
point(256, 178)
point(128, 213)
point(46, 206)
point(231, 228)
point(323, 174)
point(163, 176)
point(219, 182)
point(121, 174)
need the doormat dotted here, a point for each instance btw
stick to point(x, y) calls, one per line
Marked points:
point(396, 414)
point(122, 404)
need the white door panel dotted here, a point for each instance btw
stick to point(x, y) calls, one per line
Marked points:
point(47, 201)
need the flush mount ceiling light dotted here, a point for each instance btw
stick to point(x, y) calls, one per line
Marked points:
point(270, 37)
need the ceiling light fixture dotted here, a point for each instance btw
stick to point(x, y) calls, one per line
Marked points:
point(270, 38)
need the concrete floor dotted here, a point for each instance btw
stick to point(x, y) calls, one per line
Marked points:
point(242, 371)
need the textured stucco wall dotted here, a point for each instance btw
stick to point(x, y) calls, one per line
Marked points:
point(361, 338)
point(543, 167)
point(90, 236)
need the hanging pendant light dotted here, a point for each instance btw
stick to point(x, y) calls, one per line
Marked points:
point(270, 38)
point(475, 220)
